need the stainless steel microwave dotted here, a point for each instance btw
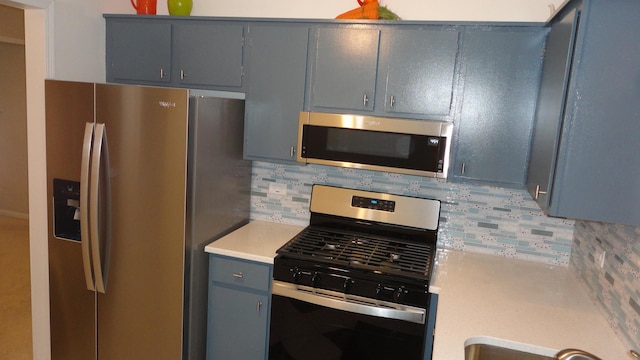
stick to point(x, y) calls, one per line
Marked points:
point(411, 147)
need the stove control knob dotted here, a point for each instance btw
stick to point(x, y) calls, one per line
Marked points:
point(315, 280)
point(296, 275)
point(347, 285)
point(399, 294)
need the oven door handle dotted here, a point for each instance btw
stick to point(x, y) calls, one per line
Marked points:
point(339, 301)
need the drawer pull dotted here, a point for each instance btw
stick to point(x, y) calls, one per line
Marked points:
point(238, 275)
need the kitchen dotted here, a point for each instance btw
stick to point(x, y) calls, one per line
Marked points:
point(66, 66)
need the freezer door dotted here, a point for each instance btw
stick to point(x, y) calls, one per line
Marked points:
point(69, 107)
point(140, 312)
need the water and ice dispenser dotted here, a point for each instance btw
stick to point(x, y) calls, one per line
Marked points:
point(66, 209)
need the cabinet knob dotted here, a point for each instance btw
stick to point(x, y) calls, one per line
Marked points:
point(258, 305)
point(182, 74)
point(538, 193)
point(162, 73)
point(365, 100)
point(238, 275)
point(392, 101)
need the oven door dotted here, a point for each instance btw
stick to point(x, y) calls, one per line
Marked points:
point(315, 324)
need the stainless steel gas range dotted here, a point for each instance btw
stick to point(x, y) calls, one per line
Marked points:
point(354, 284)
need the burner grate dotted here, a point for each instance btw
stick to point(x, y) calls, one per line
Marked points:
point(364, 251)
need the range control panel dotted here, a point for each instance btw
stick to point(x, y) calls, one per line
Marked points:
point(375, 204)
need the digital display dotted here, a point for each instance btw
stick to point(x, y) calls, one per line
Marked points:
point(374, 204)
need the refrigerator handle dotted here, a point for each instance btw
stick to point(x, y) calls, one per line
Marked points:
point(85, 236)
point(100, 208)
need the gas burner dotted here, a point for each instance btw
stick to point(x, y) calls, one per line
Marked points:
point(329, 246)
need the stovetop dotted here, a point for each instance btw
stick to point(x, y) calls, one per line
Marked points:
point(349, 249)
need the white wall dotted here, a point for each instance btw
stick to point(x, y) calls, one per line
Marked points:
point(77, 40)
point(437, 10)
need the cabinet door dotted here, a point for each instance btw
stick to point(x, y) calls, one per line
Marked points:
point(138, 51)
point(550, 108)
point(416, 72)
point(501, 74)
point(237, 324)
point(275, 95)
point(597, 168)
point(344, 68)
point(209, 54)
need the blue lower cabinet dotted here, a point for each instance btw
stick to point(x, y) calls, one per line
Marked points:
point(238, 318)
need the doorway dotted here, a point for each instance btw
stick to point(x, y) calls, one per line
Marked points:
point(15, 284)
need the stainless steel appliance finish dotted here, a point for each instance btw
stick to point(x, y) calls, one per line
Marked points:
point(160, 175)
point(354, 283)
point(411, 211)
point(411, 147)
point(351, 303)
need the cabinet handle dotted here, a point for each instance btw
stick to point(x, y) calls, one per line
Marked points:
point(463, 168)
point(258, 306)
point(162, 73)
point(182, 74)
point(365, 100)
point(538, 192)
point(238, 275)
point(392, 101)
point(292, 151)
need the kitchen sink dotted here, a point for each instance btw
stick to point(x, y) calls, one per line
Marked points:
point(495, 352)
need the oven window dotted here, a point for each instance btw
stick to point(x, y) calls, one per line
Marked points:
point(304, 331)
point(369, 143)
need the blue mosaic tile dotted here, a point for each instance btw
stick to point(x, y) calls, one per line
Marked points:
point(614, 289)
point(505, 213)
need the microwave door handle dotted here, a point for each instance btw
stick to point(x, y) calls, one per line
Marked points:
point(101, 243)
point(85, 235)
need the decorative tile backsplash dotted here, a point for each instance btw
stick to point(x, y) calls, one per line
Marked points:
point(615, 287)
point(484, 219)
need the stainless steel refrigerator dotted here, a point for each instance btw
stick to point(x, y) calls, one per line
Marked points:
point(140, 179)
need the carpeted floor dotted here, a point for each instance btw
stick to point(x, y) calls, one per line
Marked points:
point(15, 290)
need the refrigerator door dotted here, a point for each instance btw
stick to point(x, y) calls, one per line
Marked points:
point(69, 107)
point(140, 312)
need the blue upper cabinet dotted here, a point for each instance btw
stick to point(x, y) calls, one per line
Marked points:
point(175, 52)
point(500, 74)
point(209, 53)
point(344, 68)
point(585, 162)
point(275, 90)
point(402, 71)
point(416, 71)
point(138, 51)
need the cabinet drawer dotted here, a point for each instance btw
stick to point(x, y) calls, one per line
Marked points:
point(240, 273)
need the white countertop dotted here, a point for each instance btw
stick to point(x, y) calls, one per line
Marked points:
point(518, 304)
point(257, 241)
